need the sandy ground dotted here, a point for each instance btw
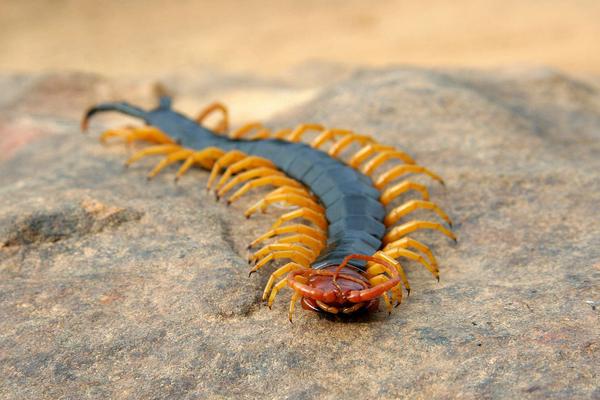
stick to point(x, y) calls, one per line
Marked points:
point(267, 37)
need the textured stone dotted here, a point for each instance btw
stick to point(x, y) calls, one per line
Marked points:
point(113, 286)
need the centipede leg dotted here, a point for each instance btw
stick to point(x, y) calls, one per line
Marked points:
point(291, 266)
point(402, 230)
point(390, 194)
point(400, 170)
point(316, 218)
point(268, 180)
point(259, 172)
point(154, 150)
point(245, 163)
point(210, 109)
point(205, 158)
point(271, 248)
point(170, 159)
point(410, 206)
point(224, 161)
point(293, 255)
point(412, 243)
point(132, 134)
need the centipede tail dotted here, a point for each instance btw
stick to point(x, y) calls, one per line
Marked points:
point(340, 248)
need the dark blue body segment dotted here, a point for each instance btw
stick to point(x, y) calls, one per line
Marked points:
point(353, 210)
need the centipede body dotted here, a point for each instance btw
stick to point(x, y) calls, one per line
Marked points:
point(344, 259)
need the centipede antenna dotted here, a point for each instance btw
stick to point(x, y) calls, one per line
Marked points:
point(122, 107)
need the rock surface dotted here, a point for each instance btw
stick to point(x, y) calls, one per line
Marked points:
point(115, 287)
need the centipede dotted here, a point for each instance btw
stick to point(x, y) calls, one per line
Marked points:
point(342, 240)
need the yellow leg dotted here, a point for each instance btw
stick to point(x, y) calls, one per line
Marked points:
point(384, 156)
point(246, 163)
point(295, 229)
point(289, 254)
point(398, 252)
point(211, 108)
point(376, 280)
point(282, 134)
point(316, 218)
point(153, 150)
point(329, 134)
point(297, 133)
point(270, 248)
point(226, 160)
point(289, 198)
point(346, 141)
point(262, 134)
point(392, 193)
point(267, 180)
point(280, 285)
point(246, 176)
point(293, 301)
point(400, 170)
point(408, 242)
point(382, 256)
point(205, 158)
point(168, 160)
point(360, 156)
point(129, 135)
point(403, 230)
point(306, 240)
point(412, 205)
point(300, 191)
point(289, 267)
point(244, 129)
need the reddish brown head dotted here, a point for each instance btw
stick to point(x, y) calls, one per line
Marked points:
point(341, 288)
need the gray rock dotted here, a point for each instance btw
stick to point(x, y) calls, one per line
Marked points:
point(115, 287)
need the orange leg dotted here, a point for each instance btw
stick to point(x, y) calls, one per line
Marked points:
point(293, 255)
point(290, 198)
point(378, 280)
point(397, 266)
point(316, 218)
point(210, 109)
point(346, 141)
point(306, 240)
point(392, 193)
point(403, 230)
point(170, 159)
point(297, 133)
point(204, 158)
point(246, 176)
point(278, 274)
point(412, 205)
point(243, 130)
point(267, 180)
point(282, 134)
point(361, 155)
point(226, 160)
point(246, 163)
point(400, 170)
point(153, 150)
point(281, 284)
point(408, 242)
point(397, 252)
point(129, 135)
point(293, 229)
point(329, 134)
point(384, 156)
point(270, 248)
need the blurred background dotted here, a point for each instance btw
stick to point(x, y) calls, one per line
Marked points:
point(117, 38)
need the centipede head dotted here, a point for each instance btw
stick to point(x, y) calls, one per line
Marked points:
point(341, 289)
point(332, 292)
